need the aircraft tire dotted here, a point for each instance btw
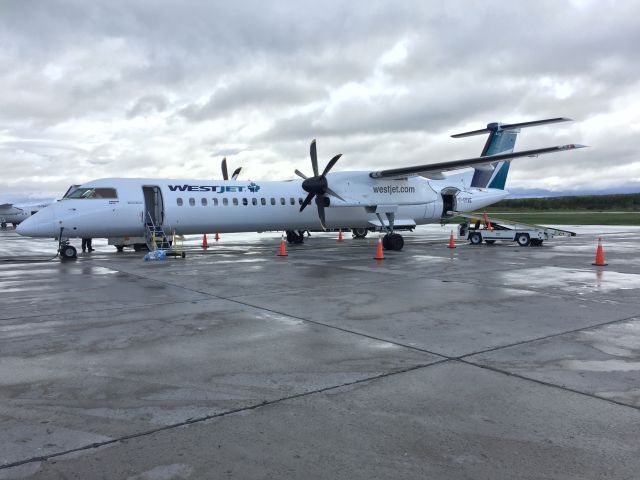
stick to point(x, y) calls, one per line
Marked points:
point(120, 248)
point(359, 232)
point(385, 242)
point(397, 242)
point(296, 237)
point(393, 241)
point(3, 225)
point(68, 252)
point(475, 238)
point(523, 239)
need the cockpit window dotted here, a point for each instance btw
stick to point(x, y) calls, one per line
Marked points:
point(97, 192)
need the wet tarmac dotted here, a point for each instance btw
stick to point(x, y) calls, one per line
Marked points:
point(484, 362)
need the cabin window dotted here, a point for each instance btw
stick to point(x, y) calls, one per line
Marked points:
point(179, 201)
point(292, 201)
point(283, 201)
point(225, 201)
point(300, 200)
point(273, 201)
point(204, 202)
point(254, 201)
point(263, 201)
point(235, 201)
point(245, 202)
point(215, 202)
point(192, 202)
point(97, 192)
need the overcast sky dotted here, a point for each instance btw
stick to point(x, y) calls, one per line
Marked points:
point(153, 88)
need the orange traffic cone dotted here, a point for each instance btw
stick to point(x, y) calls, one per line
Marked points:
point(205, 245)
point(283, 248)
point(600, 255)
point(379, 253)
point(340, 239)
point(217, 237)
point(451, 242)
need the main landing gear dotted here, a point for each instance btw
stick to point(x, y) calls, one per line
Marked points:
point(359, 232)
point(391, 241)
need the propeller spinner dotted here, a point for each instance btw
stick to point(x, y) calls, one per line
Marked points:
point(317, 186)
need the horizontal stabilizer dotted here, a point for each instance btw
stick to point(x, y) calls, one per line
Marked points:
point(467, 162)
point(510, 126)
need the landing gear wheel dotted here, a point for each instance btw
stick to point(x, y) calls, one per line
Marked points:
point(359, 232)
point(68, 252)
point(295, 236)
point(490, 242)
point(475, 238)
point(393, 241)
point(120, 248)
point(523, 239)
point(3, 225)
point(140, 247)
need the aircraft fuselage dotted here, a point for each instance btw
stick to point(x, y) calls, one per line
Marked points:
point(207, 206)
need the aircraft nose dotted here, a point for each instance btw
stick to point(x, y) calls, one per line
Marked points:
point(39, 224)
point(27, 227)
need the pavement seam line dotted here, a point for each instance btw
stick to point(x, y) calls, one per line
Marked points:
point(545, 383)
point(552, 335)
point(190, 421)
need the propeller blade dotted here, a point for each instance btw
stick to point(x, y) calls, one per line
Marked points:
point(321, 212)
point(334, 194)
point(307, 201)
point(225, 172)
point(300, 174)
point(331, 163)
point(236, 172)
point(314, 157)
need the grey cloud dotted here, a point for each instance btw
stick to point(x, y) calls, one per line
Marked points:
point(148, 104)
point(155, 86)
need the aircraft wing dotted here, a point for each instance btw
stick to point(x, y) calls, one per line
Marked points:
point(434, 170)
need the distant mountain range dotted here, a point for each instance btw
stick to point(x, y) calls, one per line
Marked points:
point(539, 192)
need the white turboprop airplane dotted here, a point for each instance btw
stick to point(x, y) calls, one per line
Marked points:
point(386, 200)
point(10, 213)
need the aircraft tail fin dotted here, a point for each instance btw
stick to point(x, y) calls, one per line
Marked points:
point(501, 139)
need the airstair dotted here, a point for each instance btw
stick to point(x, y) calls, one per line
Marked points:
point(157, 239)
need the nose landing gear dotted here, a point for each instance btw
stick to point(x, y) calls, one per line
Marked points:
point(65, 249)
point(68, 252)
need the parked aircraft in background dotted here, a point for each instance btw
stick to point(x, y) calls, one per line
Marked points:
point(386, 200)
point(9, 213)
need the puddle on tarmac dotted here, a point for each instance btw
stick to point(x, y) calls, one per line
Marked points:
point(601, 365)
point(572, 280)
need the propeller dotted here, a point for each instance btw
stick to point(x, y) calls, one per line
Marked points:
point(317, 185)
point(225, 172)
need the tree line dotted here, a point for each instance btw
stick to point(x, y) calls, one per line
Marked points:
point(619, 202)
